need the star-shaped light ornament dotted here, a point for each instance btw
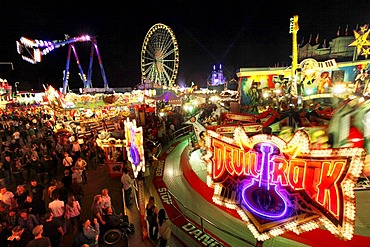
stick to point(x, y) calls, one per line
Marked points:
point(364, 28)
point(360, 40)
point(366, 52)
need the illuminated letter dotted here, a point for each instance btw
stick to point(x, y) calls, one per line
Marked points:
point(328, 193)
point(252, 163)
point(296, 174)
point(218, 156)
point(239, 162)
point(312, 178)
point(228, 156)
point(279, 167)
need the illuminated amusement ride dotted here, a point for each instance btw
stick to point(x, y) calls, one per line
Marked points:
point(160, 56)
point(33, 50)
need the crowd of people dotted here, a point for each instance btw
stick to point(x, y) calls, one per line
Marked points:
point(42, 179)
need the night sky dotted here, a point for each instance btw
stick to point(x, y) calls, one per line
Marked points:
point(235, 33)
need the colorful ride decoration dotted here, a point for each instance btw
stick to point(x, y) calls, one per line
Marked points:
point(134, 146)
point(33, 50)
point(278, 186)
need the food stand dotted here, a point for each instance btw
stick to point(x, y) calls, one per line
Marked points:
point(115, 155)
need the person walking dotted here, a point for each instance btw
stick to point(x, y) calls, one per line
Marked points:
point(77, 174)
point(75, 151)
point(81, 165)
point(53, 229)
point(48, 166)
point(57, 207)
point(26, 165)
point(77, 190)
point(127, 183)
point(20, 196)
point(38, 198)
point(96, 209)
point(106, 199)
point(27, 220)
point(7, 197)
point(39, 240)
point(39, 169)
point(17, 171)
point(73, 212)
point(94, 156)
point(151, 216)
point(67, 161)
point(164, 228)
point(24, 136)
point(7, 164)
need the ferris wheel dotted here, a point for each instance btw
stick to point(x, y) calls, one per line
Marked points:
point(160, 56)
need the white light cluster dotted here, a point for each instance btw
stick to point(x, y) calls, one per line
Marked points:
point(42, 43)
point(209, 181)
point(348, 188)
point(27, 59)
point(321, 152)
point(308, 226)
point(27, 42)
point(219, 200)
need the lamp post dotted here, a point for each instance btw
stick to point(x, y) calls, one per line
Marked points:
point(16, 87)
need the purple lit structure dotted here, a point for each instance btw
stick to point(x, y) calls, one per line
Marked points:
point(217, 76)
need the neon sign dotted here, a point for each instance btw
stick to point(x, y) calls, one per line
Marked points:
point(279, 186)
point(262, 197)
point(134, 146)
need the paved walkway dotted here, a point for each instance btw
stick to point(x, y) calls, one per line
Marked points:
point(97, 180)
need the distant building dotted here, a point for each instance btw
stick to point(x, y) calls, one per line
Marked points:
point(337, 49)
point(217, 80)
point(217, 77)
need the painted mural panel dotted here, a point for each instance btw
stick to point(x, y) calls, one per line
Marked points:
point(312, 78)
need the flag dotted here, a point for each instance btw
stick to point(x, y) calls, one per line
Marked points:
point(356, 27)
point(317, 39)
point(302, 41)
point(346, 30)
point(309, 40)
point(338, 32)
point(324, 44)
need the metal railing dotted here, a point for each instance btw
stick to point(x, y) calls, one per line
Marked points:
point(184, 131)
point(203, 220)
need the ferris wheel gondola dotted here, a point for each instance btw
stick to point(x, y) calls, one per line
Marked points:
point(160, 56)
